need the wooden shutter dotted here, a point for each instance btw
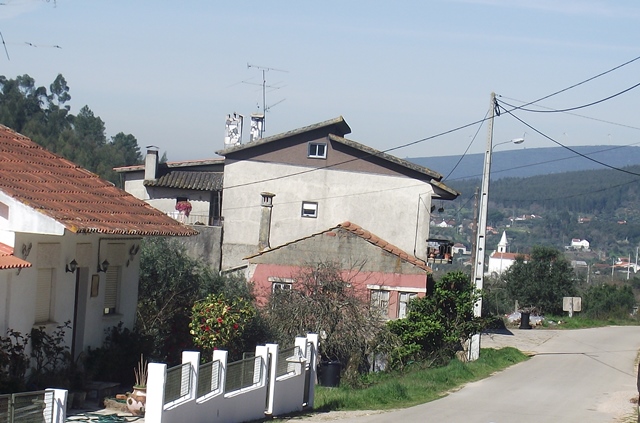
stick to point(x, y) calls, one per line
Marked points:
point(43, 295)
point(112, 285)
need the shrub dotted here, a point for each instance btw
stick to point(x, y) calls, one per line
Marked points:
point(608, 301)
point(13, 361)
point(218, 322)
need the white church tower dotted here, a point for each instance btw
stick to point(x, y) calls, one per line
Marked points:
point(503, 244)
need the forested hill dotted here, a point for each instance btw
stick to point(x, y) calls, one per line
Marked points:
point(602, 206)
point(533, 161)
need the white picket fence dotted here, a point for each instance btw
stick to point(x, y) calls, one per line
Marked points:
point(272, 383)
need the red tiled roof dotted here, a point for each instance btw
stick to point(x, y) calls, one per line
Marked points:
point(8, 260)
point(378, 242)
point(73, 196)
point(506, 256)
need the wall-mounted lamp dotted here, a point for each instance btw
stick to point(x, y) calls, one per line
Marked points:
point(103, 267)
point(71, 267)
point(132, 253)
point(432, 208)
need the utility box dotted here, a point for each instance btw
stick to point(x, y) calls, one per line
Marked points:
point(572, 304)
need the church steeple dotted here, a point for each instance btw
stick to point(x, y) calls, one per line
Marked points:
point(503, 244)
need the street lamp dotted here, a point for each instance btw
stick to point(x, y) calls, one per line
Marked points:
point(478, 272)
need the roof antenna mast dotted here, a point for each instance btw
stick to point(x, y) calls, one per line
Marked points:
point(259, 119)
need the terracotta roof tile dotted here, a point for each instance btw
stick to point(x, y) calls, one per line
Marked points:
point(8, 260)
point(375, 240)
point(73, 196)
point(202, 181)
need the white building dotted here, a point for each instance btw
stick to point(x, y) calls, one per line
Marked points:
point(312, 177)
point(69, 244)
point(500, 260)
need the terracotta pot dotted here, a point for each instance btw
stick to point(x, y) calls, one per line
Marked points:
point(137, 401)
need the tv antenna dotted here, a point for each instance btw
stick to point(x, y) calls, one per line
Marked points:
point(264, 86)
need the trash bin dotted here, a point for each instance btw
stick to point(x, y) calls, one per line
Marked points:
point(329, 373)
point(524, 320)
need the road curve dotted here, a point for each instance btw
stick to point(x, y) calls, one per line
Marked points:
point(586, 375)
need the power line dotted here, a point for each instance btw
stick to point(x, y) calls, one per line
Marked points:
point(576, 107)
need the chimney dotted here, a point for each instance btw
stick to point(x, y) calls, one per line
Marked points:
point(265, 220)
point(151, 163)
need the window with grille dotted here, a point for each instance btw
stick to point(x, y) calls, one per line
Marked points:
point(44, 296)
point(405, 297)
point(112, 290)
point(380, 301)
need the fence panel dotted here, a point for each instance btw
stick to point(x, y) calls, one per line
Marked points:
point(27, 407)
point(208, 378)
point(243, 374)
point(178, 382)
point(287, 359)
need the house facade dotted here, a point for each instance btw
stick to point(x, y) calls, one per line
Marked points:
point(168, 186)
point(378, 271)
point(312, 177)
point(70, 244)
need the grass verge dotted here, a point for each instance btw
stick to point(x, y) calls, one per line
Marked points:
point(581, 322)
point(412, 387)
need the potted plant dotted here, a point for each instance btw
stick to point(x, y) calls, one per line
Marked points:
point(138, 398)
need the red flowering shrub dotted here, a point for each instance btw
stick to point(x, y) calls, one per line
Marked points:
point(218, 322)
point(184, 206)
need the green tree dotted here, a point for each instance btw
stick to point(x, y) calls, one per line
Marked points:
point(438, 324)
point(171, 282)
point(321, 301)
point(541, 280)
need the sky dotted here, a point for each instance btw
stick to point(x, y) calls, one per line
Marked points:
point(399, 72)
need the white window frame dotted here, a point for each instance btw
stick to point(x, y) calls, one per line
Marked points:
point(380, 301)
point(44, 296)
point(113, 280)
point(309, 209)
point(317, 150)
point(403, 301)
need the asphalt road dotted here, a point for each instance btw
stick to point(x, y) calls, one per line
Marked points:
point(586, 376)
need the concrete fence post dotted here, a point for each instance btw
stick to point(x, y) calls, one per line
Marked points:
point(272, 368)
point(156, 381)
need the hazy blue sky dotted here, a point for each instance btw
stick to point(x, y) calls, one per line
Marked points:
point(397, 71)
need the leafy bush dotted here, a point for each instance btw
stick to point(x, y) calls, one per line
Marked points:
point(51, 357)
point(608, 301)
point(218, 322)
point(13, 361)
point(438, 323)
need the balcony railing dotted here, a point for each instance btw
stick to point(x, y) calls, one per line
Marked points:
point(196, 219)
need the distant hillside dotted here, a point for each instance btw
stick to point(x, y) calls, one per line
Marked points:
point(532, 162)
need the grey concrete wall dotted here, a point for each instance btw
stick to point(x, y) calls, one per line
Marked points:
point(340, 245)
point(206, 245)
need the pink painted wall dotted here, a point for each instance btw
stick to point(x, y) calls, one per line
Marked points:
point(359, 280)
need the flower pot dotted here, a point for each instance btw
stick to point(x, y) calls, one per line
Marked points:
point(137, 401)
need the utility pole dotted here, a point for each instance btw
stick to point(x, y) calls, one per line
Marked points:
point(478, 274)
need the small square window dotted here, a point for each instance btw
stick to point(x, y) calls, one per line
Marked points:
point(317, 150)
point(309, 209)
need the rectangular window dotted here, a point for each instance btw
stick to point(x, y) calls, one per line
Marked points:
point(309, 209)
point(317, 150)
point(112, 290)
point(405, 297)
point(44, 295)
point(380, 301)
point(281, 286)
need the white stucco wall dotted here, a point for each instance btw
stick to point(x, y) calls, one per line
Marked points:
point(18, 304)
point(387, 206)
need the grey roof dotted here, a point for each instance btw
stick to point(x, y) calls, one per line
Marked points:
point(201, 181)
point(339, 122)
